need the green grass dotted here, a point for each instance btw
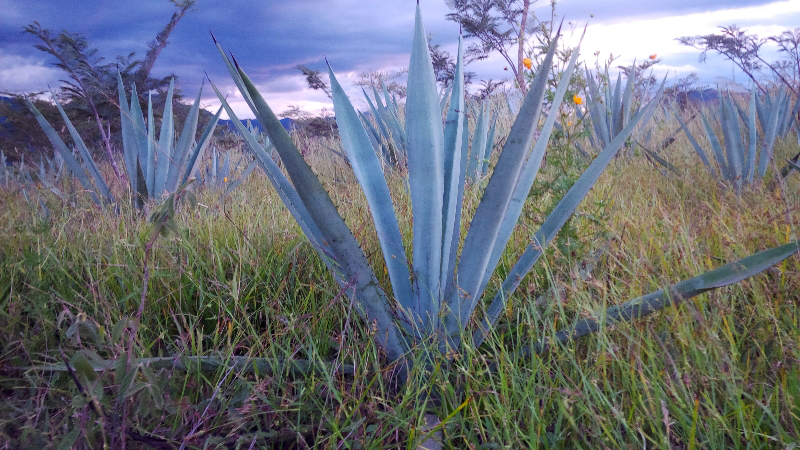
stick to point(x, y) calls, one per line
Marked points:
point(239, 279)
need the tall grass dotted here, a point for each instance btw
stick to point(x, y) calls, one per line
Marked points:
point(239, 279)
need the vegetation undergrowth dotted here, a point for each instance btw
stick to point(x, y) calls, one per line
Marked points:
point(239, 279)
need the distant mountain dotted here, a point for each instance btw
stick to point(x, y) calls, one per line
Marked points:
point(288, 124)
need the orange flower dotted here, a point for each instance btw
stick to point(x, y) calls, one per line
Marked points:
point(225, 180)
point(577, 99)
point(527, 63)
point(653, 56)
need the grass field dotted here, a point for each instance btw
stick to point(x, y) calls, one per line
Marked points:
point(238, 279)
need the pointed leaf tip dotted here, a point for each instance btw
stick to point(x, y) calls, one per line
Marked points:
point(212, 37)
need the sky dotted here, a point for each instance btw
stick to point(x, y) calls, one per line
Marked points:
point(270, 38)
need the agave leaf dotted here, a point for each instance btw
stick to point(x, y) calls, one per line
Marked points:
point(693, 141)
point(627, 99)
point(455, 131)
point(795, 111)
point(443, 102)
point(285, 190)
point(529, 172)
point(478, 143)
point(597, 112)
point(381, 125)
point(733, 141)
point(200, 147)
point(367, 169)
point(491, 210)
point(130, 151)
point(150, 159)
point(487, 153)
point(338, 240)
point(139, 128)
point(165, 143)
point(72, 163)
point(770, 133)
point(616, 107)
point(184, 145)
point(785, 116)
point(398, 135)
point(716, 147)
point(87, 157)
point(750, 166)
point(560, 214)
point(425, 147)
point(675, 294)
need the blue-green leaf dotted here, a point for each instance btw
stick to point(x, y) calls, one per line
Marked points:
point(61, 147)
point(425, 147)
point(677, 293)
point(486, 222)
point(560, 214)
point(367, 169)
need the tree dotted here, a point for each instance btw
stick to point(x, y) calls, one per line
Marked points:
point(500, 25)
point(314, 80)
point(745, 51)
point(91, 87)
point(444, 65)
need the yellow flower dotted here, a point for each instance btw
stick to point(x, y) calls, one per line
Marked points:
point(527, 63)
point(577, 99)
point(569, 124)
point(225, 180)
point(653, 56)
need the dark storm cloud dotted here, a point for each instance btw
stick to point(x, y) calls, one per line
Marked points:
point(269, 38)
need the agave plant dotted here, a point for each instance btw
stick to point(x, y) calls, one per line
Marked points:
point(611, 110)
point(153, 167)
point(158, 167)
point(742, 160)
point(435, 294)
point(386, 133)
point(482, 142)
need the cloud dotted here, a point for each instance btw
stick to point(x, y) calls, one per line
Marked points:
point(18, 74)
point(269, 39)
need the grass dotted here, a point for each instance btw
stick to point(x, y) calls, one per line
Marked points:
point(239, 279)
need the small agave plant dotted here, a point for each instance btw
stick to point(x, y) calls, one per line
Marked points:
point(435, 295)
point(742, 161)
point(153, 166)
